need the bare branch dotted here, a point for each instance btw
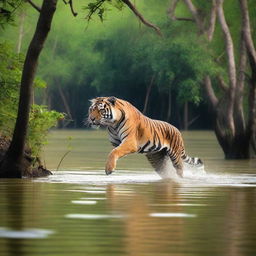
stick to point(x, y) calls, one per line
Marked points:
point(172, 8)
point(219, 57)
point(238, 107)
point(193, 120)
point(246, 30)
point(183, 19)
point(34, 5)
point(171, 12)
point(229, 45)
point(195, 15)
point(222, 84)
point(72, 8)
point(141, 18)
point(251, 124)
point(241, 68)
point(70, 2)
point(210, 93)
point(231, 67)
point(212, 21)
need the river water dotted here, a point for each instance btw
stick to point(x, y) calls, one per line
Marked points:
point(81, 211)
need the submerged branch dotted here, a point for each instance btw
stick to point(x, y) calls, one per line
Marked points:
point(62, 159)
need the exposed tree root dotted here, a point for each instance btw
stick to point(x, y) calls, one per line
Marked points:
point(30, 168)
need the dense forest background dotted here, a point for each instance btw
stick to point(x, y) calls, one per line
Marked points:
point(118, 56)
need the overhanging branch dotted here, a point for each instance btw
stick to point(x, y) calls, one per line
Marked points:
point(141, 18)
point(34, 5)
point(70, 2)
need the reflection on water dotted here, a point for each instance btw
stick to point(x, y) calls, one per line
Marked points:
point(27, 233)
point(132, 212)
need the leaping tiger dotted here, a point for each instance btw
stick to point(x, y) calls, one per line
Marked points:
point(130, 131)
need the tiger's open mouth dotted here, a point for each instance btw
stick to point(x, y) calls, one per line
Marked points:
point(95, 123)
point(91, 123)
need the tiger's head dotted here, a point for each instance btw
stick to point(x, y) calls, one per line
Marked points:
point(103, 111)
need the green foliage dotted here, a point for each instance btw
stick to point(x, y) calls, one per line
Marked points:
point(40, 121)
point(120, 56)
point(7, 11)
point(179, 64)
point(10, 75)
point(39, 83)
point(99, 7)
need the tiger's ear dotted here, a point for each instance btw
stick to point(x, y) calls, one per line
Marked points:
point(93, 101)
point(112, 100)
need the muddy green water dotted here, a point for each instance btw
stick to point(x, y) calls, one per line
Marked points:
point(80, 211)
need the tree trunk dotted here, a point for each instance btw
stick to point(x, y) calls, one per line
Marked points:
point(234, 147)
point(12, 165)
point(251, 126)
point(230, 95)
point(251, 52)
point(233, 134)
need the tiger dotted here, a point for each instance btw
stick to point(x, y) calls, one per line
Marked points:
point(130, 131)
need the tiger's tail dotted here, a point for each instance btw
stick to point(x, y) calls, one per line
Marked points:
point(193, 161)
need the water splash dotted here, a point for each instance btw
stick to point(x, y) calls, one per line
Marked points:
point(100, 178)
point(192, 177)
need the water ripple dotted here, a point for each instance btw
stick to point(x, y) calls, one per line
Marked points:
point(191, 178)
point(172, 215)
point(25, 234)
point(93, 216)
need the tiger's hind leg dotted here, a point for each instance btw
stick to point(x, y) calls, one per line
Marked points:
point(163, 165)
point(179, 169)
point(178, 165)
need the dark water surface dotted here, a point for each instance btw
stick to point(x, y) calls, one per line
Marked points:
point(80, 211)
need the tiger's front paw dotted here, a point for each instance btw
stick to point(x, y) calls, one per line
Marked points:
point(109, 168)
point(108, 172)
